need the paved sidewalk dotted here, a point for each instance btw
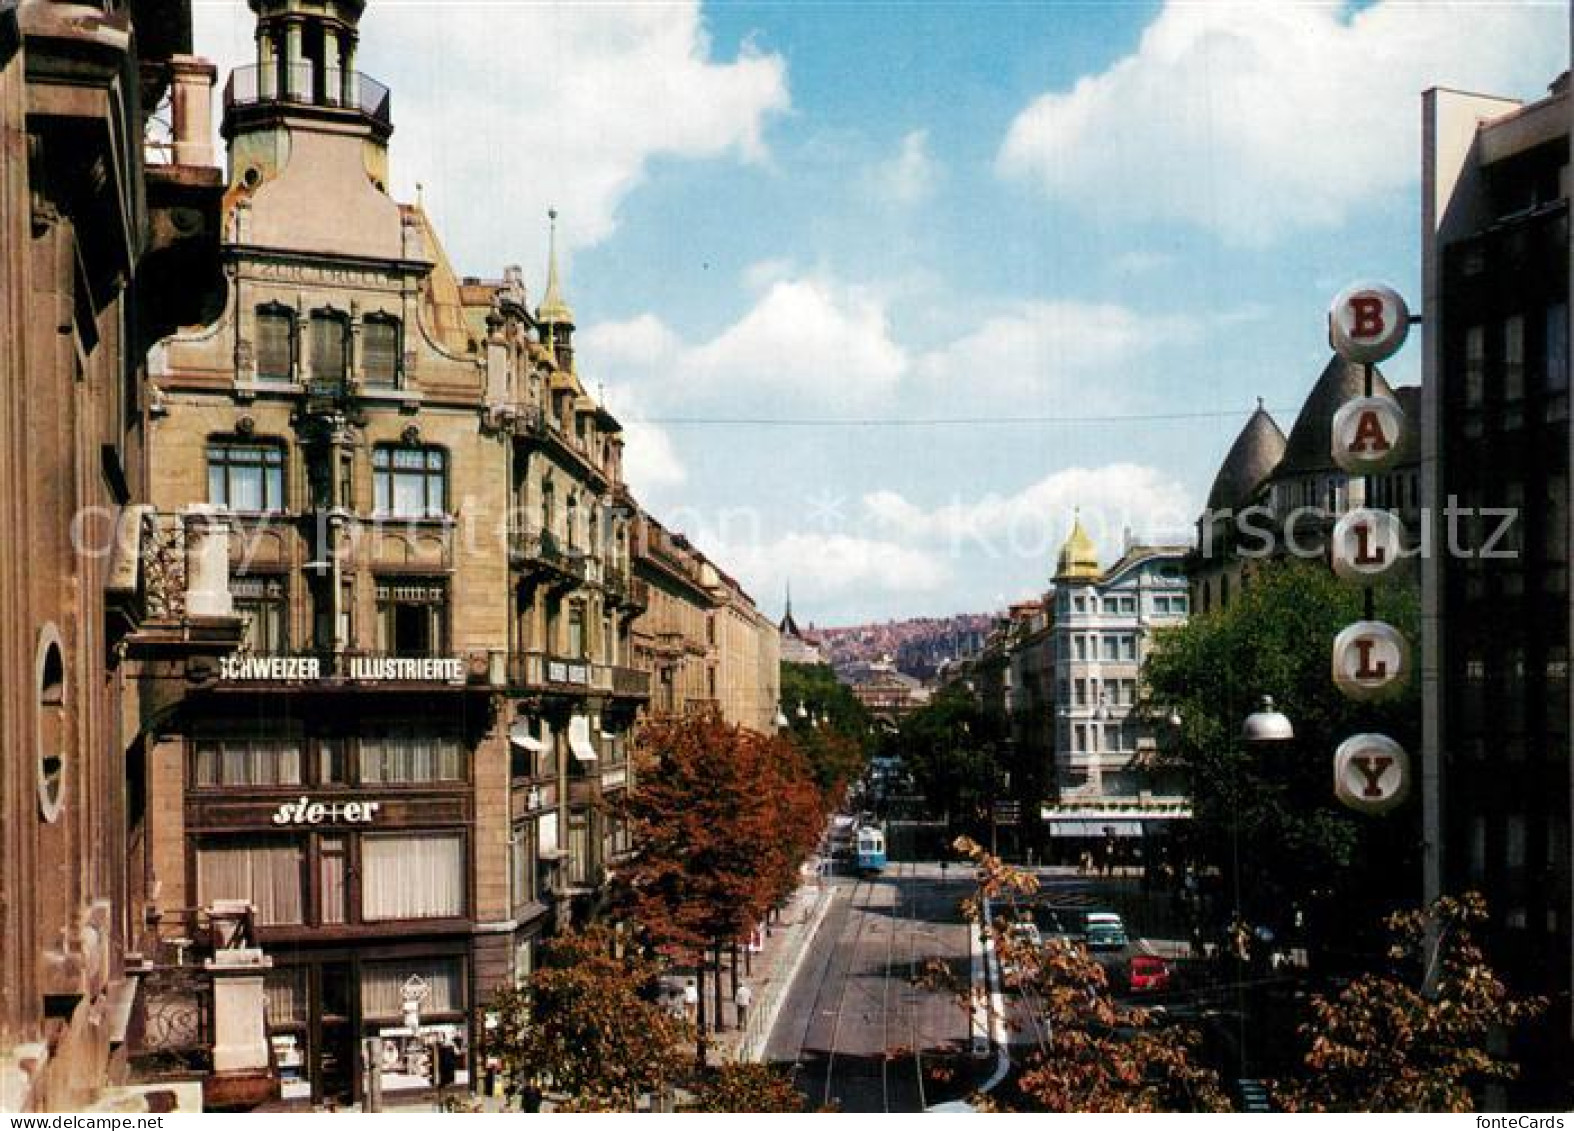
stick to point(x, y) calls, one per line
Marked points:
point(774, 969)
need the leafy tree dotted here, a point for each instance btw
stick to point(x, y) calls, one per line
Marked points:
point(1416, 1037)
point(1093, 1055)
point(838, 750)
point(1266, 818)
point(953, 749)
point(742, 1086)
point(586, 1024)
point(720, 820)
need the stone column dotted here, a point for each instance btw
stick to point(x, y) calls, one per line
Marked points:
point(192, 97)
point(207, 563)
point(332, 78)
point(297, 82)
point(267, 66)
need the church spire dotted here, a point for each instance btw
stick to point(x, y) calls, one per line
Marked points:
point(553, 315)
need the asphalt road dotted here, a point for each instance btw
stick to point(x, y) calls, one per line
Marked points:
point(859, 1034)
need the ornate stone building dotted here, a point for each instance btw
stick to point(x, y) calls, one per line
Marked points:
point(404, 771)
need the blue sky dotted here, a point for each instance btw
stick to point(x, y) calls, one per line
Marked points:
point(1097, 231)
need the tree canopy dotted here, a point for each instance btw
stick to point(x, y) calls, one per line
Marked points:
point(954, 749)
point(1273, 806)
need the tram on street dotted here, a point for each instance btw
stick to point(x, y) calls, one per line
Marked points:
point(871, 849)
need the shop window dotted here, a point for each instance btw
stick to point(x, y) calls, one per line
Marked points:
point(275, 343)
point(380, 350)
point(382, 987)
point(412, 876)
point(264, 871)
point(285, 989)
point(412, 617)
point(246, 477)
point(410, 482)
point(411, 759)
point(248, 762)
point(263, 602)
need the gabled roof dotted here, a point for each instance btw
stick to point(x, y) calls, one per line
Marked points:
point(1256, 452)
point(1309, 449)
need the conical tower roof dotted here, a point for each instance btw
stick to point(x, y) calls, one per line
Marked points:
point(1309, 449)
point(1079, 557)
point(1256, 452)
point(554, 309)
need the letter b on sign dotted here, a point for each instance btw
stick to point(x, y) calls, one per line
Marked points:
point(1371, 773)
point(1368, 322)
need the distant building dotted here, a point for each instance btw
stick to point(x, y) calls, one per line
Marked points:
point(1106, 783)
point(797, 647)
point(1496, 599)
point(887, 693)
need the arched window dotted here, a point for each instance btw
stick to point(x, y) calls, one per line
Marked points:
point(380, 350)
point(275, 343)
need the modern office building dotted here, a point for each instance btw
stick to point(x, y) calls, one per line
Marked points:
point(1496, 438)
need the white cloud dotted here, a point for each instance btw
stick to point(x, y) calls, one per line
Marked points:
point(529, 105)
point(1253, 120)
point(827, 569)
point(804, 339)
point(1031, 524)
point(1035, 348)
point(909, 176)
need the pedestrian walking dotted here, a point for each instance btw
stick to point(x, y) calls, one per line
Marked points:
point(743, 999)
point(691, 1000)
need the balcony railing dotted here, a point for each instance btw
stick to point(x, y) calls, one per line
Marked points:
point(631, 682)
point(541, 671)
point(540, 552)
point(306, 84)
point(170, 581)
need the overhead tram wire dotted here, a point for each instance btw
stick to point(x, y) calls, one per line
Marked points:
point(939, 421)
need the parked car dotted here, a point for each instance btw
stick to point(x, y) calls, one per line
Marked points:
point(1150, 974)
point(1104, 930)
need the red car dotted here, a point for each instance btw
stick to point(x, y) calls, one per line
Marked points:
point(1149, 974)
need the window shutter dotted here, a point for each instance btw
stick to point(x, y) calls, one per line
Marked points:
point(380, 342)
point(274, 356)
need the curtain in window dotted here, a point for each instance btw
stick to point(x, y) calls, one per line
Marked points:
point(410, 758)
point(241, 761)
point(382, 987)
point(286, 993)
point(413, 877)
point(275, 358)
point(380, 351)
point(268, 873)
point(332, 853)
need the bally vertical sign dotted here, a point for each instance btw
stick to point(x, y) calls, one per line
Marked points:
point(1368, 323)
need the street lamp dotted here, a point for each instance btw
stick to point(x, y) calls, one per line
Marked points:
point(802, 711)
point(1266, 724)
point(781, 718)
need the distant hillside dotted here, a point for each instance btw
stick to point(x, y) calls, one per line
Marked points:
point(918, 646)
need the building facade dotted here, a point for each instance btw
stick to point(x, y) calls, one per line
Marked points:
point(1104, 620)
point(404, 771)
point(105, 224)
point(1496, 611)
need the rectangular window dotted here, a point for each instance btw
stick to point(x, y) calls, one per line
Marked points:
point(248, 761)
point(1475, 366)
point(333, 891)
point(1514, 357)
point(332, 762)
point(382, 987)
point(410, 482)
point(285, 990)
point(1111, 648)
point(1114, 734)
point(522, 854)
point(262, 602)
point(418, 876)
point(1080, 647)
point(1082, 692)
point(275, 345)
point(581, 863)
point(1555, 351)
point(330, 341)
point(576, 630)
point(1128, 647)
point(1079, 737)
point(411, 759)
point(412, 617)
point(265, 871)
point(246, 477)
point(380, 351)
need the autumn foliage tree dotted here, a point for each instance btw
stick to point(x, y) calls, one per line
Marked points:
point(586, 1025)
point(744, 1086)
point(1094, 1054)
point(1415, 1037)
point(720, 820)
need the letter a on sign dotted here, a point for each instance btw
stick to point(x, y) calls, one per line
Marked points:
point(1368, 322)
point(1366, 435)
point(1371, 773)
